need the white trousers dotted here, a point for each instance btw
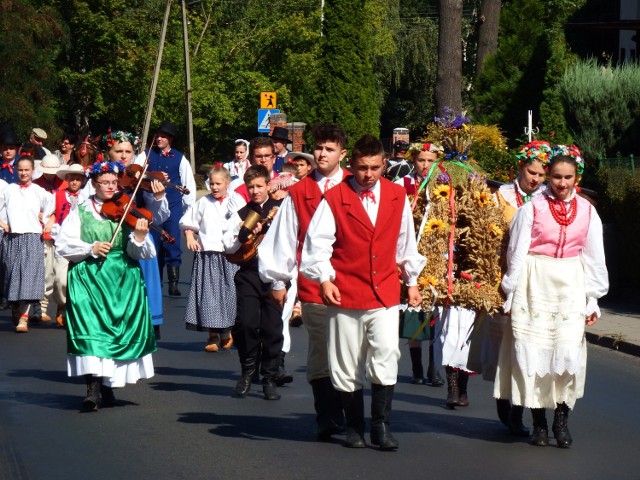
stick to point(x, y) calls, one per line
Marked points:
point(287, 310)
point(363, 344)
point(55, 278)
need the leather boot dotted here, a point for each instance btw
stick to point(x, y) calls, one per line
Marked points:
point(353, 406)
point(540, 435)
point(453, 394)
point(329, 415)
point(381, 398)
point(516, 427)
point(248, 364)
point(463, 380)
point(433, 375)
point(173, 274)
point(416, 366)
point(504, 410)
point(107, 396)
point(283, 376)
point(269, 370)
point(560, 426)
point(90, 402)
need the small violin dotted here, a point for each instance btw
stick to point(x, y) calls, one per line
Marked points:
point(113, 209)
point(133, 172)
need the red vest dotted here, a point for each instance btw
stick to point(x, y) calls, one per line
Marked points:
point(364, 256)
point(306, 197)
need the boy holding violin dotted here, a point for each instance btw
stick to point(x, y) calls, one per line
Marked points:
point(110, 337)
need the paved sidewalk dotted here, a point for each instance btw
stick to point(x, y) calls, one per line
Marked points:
point(618, 328)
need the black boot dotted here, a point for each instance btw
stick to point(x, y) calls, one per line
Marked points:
point(353, 405)
point(381, 398)
point(560, 426)
point(173, 274)
point(416, 366)
point(453, 394)
point(504, 410)
point(463, 380)
point(433, 375)
point(329, 415)
point(516, 427)
point(540, 435)
point(283, 376)
point(90, 402)
point(108, 398)
point(269, 370)
point(249, 372)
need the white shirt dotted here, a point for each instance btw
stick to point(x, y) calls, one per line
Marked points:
point(70, 245)
point(277, 252)
point(21, 206)
point(508, 192)
point(207, 218)
point(596, 279)
point(318, 244)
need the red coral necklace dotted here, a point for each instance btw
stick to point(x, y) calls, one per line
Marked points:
point(560, 213)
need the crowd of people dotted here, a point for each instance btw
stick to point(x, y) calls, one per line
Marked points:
point(283, 236)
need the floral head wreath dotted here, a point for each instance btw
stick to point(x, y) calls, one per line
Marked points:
point(536, 150)
point(100, 168)
point(417, 147)
point(569, 151)
point(119, 136)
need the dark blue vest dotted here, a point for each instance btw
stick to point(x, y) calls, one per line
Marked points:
point(170, 164)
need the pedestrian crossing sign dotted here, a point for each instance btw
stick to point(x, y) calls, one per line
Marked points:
point(268, 100)
point(264, 116)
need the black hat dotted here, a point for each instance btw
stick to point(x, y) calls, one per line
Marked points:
point(280, 133)
point(168, 128)
point(8, 136)
point(401, 145)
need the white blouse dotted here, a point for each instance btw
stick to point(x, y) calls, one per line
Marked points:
point(277, 252)
point(21, 207)
point(70, 245)
point(596, 278)
point(207, 218)
point(508, 192)
point(318, 244)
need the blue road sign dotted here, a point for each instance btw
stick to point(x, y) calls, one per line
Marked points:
point(263, 119)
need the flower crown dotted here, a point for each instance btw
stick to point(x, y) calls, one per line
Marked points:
point(536, 150)
point(100, 168)
point(119, 136)
point(417, 147)
point(569, 151)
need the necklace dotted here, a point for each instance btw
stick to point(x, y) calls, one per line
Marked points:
point(560, 213)
point(520, 199)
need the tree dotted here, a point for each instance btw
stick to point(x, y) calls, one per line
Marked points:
point(345, 85)
point(449, 73)
point(488, 29)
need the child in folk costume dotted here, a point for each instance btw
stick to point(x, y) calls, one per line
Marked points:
point(423, 155)
point(279, 260)
point(556, 272)
point(533, 161)
point(23, 204)
point(66, 199)
point(239, 164)
point(212, 297)
point(346, 250)
point(110, 336)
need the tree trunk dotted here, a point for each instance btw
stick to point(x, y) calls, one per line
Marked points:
point(489, 24)
point(449, 75)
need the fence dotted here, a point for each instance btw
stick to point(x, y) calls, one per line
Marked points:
point(626, 162)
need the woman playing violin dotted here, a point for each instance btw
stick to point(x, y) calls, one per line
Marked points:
point(110, 337)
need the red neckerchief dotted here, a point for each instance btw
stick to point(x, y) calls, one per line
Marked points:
point(24, 185)
point(367, 194)
point(9, 166)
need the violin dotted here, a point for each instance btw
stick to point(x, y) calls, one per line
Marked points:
point(114, 208)
point(133, 174)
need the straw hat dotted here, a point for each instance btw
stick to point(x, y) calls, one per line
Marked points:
point(49, 164)
point(292, 156)
point(75, 168)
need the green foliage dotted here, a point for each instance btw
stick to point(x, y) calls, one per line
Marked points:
point(603, 106)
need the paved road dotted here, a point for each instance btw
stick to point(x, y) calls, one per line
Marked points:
point(185, 424)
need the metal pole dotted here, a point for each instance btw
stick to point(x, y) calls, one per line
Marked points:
point(187, 86)
point(156, 74)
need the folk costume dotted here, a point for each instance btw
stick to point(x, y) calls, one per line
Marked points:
point(348, 242)
point(556, 272)
point(212, 296)
point(279, 260)
point(110, 336)
point(257, 331)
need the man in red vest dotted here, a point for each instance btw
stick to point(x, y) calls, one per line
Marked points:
point(279, 259)
point(360, 234)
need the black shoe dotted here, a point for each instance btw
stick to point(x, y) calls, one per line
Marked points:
point(381, 399)
point(173, 274)
point(328, 407)
point(381, 437)
point(453, 394)
point(435, 380)
point(504, 410)
point(108, 398)
point(560, 426)
point(283, 376)
point(418, 381)
point(269, 390)
point(354, 439)
point(92, 400)
point(540, 437)
point(353, 406)
point(516, 426)
point(243, 386)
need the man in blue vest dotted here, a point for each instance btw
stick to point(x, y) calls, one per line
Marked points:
point(164, 158)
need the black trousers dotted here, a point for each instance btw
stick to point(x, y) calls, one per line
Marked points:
point(258, 327)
